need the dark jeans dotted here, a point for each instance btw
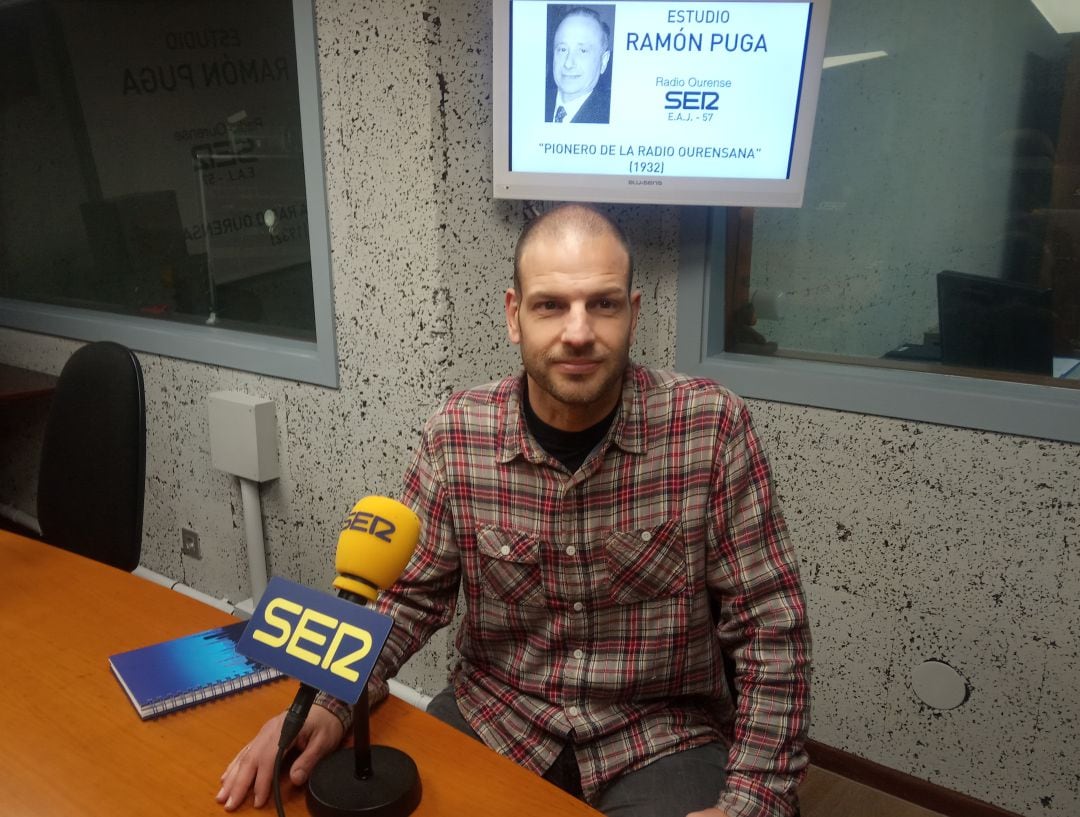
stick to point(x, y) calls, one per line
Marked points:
point(672, 786)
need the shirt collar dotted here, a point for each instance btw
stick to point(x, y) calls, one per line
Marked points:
point(628, 431)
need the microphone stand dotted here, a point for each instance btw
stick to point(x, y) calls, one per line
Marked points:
point(373, 781)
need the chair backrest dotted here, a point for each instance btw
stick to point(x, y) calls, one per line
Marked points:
point(93, 457)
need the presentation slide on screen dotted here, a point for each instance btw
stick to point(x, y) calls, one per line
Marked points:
point(705, 89)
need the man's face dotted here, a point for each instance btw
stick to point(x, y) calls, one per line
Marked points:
point(580, 57)
point(574, 319)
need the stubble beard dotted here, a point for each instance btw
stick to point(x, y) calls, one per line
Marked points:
point(577, 391)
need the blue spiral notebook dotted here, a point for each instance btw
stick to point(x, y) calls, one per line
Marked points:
point(188, 670)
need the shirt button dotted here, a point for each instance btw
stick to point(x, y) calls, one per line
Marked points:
point(578, 606)
point(570, 551)
point(572, 711)
point(579, 654)
point(646, 536)
point(505, 550)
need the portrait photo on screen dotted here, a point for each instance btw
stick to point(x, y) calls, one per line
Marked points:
point(579, 49)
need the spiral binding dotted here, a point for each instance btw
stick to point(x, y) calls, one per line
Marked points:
point(218, 689)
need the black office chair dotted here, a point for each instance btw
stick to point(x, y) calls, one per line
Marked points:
point(93, 457)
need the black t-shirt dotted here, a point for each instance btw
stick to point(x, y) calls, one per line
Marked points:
point(568, 447)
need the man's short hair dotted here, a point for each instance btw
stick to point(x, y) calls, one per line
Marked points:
point(585, 11)
point(568, 218)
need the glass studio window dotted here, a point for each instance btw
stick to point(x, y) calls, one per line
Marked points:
point(160, 179)
point(940, 232)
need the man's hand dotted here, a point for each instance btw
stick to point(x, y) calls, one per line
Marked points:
point(709, 812)
point(253, 767)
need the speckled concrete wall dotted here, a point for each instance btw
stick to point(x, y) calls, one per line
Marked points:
point(922, 542)
point(917, 541)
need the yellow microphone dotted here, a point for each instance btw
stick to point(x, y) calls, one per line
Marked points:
point(377, 540)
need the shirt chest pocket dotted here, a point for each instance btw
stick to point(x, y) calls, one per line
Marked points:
point(510, 566)
point(647, 564)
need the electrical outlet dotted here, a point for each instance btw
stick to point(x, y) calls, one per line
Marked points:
point(189, 543)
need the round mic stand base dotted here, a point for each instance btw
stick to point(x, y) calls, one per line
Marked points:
point(392, 789)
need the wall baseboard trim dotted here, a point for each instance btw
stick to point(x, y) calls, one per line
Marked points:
point(898, 784)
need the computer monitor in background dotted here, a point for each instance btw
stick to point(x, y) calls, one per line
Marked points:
point(995, 324)
point(711, 102)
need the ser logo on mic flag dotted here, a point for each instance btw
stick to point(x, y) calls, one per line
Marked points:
point(319, 639)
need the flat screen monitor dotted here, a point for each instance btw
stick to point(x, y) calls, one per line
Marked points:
point(656, 101)
point(994, 323)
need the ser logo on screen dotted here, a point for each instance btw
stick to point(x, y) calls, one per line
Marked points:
point(691, 101)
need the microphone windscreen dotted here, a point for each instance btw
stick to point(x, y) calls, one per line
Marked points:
point(377, 540)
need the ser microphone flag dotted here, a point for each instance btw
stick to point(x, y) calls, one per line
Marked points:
point(331, 643)
point(318, 639)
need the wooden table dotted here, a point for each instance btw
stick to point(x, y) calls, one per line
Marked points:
point(73, 745)
point(21, 384)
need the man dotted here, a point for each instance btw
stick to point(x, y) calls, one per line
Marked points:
point(581, 51)
point(615, 536)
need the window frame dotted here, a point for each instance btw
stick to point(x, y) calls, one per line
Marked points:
point(305, 361)
point(1001, 406)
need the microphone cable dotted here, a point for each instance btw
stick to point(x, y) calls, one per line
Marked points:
point(294, 722)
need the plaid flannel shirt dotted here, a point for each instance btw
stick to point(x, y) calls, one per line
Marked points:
point(599, 603)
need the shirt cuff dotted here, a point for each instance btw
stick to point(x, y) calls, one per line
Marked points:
point(338, 708)
point(377, 692)
point(745, 797)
